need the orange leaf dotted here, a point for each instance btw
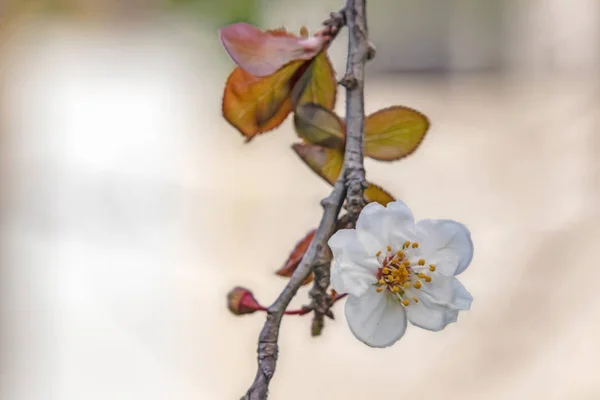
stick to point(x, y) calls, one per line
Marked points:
point(394, 132)
point(327, 163)
point(374, 193)
point(318, 125)
point(296, 256)
point(256, 105)
point(263, 53)
point(318, 84)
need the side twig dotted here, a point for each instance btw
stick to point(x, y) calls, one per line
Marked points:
point(349, 185)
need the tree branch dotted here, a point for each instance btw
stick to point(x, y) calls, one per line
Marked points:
point(350, 185)
point(359, 51)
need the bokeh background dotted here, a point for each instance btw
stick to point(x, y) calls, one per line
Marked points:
point(129, 207)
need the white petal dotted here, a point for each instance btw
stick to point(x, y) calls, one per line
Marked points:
point(351, 278)
point(447, 244)
point(378, 226)
point(439, 303)
point(428, 315)
point(345, 245)
point(376, 319)
point(448, 292)
point(353, 270)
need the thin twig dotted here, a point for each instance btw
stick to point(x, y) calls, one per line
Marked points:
point(359, 51)
point(352, 177)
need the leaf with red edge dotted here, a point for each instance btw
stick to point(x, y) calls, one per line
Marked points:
point(327, 163)
point(394, 132)
point(263, 53)
point(296, 256)
point(318, 125)
point(256, 105)
point(375, 193)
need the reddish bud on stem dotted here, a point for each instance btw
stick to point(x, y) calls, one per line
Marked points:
point(241, 301)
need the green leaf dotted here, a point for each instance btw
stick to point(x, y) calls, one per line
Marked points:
point(394, 133)
point(318, 84)
point(325, 162)
point(374, 193)
point(319, 126)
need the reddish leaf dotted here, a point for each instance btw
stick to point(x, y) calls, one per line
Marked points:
point(318, 125)
point(256, 105)
point(263, 53)
point(394, 132)
point(296, 256)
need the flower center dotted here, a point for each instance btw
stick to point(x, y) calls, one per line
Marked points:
point(402, 273)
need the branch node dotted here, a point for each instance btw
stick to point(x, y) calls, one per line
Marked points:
point(371, 51)
point(349, 81)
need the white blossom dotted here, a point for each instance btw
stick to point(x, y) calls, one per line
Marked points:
point(394, 269)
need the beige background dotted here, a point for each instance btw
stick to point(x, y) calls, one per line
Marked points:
point(130, 209)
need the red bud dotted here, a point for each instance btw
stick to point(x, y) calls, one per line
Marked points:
point(241, 301)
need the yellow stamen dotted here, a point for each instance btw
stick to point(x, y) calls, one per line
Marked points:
point(422, 275)
point(400, 254)
point(379, 289)
point(406, 285)
point(421, 262)
point(428, 279)
point(378, 253)
point(417, 285)
point(381, 282)
point(406, 263)
point(415, 245)
point(389, 248)
point(405, 303)
point(431, 267)
point(385, 271)
point(395, 289)
point(415, 300)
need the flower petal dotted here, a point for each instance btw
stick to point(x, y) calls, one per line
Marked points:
point(439, 303)
point(379, 226)
point(446, 243)
point(376, 319)
point(353, 270)
point(350, 278)
point(345, 245)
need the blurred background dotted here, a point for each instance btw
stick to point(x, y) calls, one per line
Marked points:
point(129, 207)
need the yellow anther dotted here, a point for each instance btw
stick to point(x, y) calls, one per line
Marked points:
point(406, 244)
point(427, 279)
point(379, 289)
point(405, 303)
point(421, 262)
point(381, 282)
point(395, 289)
point(415, 300)
point(400, 254)
point(417, 285)
point(431, 267)
point(385, 270)
point(389, 248)
point(378, 253)
point(421, 275)
point(415, 245)
point(406, 285)
point(406, 263)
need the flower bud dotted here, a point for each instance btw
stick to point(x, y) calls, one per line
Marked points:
point(241, 301)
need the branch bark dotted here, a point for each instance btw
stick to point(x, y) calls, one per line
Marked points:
point(350, 185)
point(359, 51)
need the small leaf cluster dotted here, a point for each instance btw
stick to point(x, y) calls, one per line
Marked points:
point(279, 73)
